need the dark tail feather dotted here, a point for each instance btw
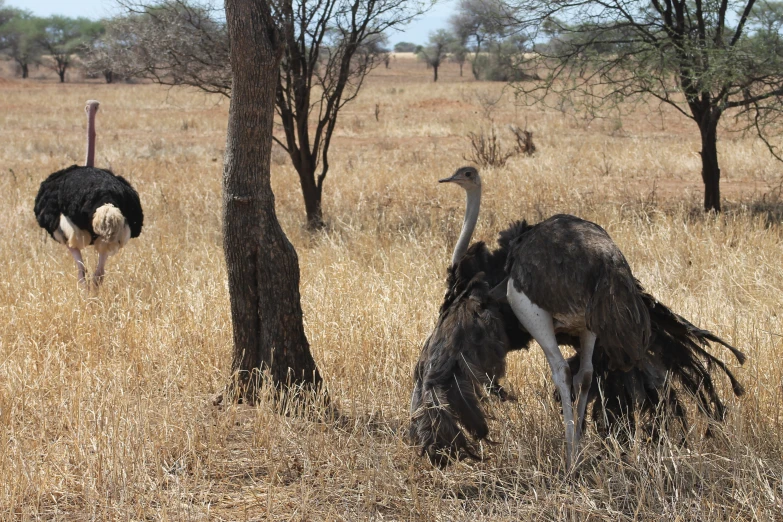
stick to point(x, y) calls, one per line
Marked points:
point(680, 338)
point(441, 407)
point(463, 357)
point(618, 315)
point(676, 360)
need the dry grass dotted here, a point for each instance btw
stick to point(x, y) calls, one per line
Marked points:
point(104, 399)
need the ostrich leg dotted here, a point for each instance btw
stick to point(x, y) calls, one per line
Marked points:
point(77, 256)
point(97, 277)
point(538, 322)
point(583, 379)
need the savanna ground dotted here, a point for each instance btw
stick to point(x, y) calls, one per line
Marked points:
point(105, 400)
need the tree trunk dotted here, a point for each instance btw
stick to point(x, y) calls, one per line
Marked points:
point(710, 172)
point(61, 74)
point(108, 76)
point(311, 193)
point(25, 71)
point(473, 65)
point(460, 68)
point(262, 265)
point(435, 70)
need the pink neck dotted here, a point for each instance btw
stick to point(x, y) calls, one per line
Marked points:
point(90, 161)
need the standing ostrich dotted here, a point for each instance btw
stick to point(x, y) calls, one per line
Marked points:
point(82, 206)
point(562, 281)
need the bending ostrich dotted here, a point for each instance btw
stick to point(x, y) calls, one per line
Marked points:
point(82, 206)
point(562, 281)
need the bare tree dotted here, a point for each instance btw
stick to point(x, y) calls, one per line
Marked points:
point(437, 50)
point(171, 43)
point(701, 58)
point(329, 47)
point(263, 270)
point(327, 57)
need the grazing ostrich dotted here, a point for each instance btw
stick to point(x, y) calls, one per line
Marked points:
point(82, 206)
point(562, 281)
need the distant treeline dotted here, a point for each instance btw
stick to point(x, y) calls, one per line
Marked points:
point(55, 42)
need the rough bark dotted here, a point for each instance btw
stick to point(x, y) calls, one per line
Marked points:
point(435, 72)
point(706, 116)
point(262, 265)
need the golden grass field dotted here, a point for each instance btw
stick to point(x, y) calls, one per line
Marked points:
point(105, 400)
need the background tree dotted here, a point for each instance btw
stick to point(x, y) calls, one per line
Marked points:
point(19, 38)
point(504, 53)
point(701, 58)
point(171, 43)
point(110, 54)
point(480, 24)
point(98, 60)
point(5, 13)
point(377, 46)
point(405, 47)
point(327, 54)
point(325, 62)
point(263, 269)
point(436, 50)
point(458, 51)
point(61, 38)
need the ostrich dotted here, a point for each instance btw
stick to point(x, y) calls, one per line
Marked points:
point(562, 281)
point(82, 206)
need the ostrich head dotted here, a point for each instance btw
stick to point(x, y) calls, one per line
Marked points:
point(467, 178)
point(91, 109)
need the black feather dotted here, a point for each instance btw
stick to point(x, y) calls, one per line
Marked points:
point(676, 362)
point(464, 356)
point(77, 192)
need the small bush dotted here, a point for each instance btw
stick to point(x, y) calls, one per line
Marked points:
point(487, 150)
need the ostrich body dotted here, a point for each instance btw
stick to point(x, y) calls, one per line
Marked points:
point(562, 281)
point(82, 206)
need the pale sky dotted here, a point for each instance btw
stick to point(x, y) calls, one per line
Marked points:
point(417, 32)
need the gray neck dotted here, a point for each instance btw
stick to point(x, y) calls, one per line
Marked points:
point(472, 204)
point(90, 160)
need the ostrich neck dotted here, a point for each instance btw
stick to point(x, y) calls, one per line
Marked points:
point(90, 161)
point(472, 204)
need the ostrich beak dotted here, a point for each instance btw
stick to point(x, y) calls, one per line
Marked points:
point(446, 180)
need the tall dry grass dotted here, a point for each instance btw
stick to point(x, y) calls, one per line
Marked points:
point(105, 406)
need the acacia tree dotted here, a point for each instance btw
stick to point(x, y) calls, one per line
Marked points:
point(405, 47)
point(19, 38)
point(61, 38)
point(479, 23)
point(262, 265)
point(436, 51)
point(328, 50)
point(702, 58)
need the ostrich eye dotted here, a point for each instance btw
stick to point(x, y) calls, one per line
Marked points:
point(468, 174)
